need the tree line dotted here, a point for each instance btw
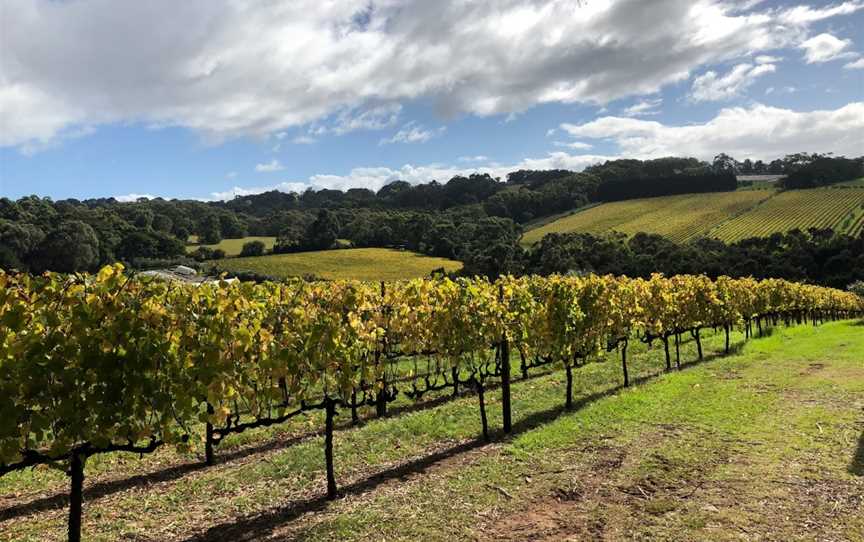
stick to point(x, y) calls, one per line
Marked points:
point(475, 219)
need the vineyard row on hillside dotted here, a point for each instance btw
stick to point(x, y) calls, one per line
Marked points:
point(104, 363)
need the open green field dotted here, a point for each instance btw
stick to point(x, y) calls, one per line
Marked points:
point(767, 443)
point(679, 217)
point(729, 216)
point(354, 263)
point(232, 247)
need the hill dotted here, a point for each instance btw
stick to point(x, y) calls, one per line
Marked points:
point(729, 216)
point(355, 263)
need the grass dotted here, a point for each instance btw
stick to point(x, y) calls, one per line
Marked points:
point(356, 263)
point(729, 216)
point(765, 443)
point(680, 217)
point(232, 247)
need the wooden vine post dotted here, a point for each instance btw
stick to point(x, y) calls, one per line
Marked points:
point(381, 397)
point(208, 438)
point(330, 409)
point(76, 496)
point(507, 419)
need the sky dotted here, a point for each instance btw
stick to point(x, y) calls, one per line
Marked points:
point(209, 99)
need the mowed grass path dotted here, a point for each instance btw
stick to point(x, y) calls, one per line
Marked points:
point(679, 218)
point(354, 263)
point(233, 247)
point(767, 443)
point(730, 216)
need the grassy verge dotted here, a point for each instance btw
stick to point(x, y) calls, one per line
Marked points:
point(766, 443)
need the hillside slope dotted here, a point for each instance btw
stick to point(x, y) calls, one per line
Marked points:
point(729, 216)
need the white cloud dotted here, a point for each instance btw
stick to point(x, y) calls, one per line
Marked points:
point(478, 158)
point(303, 140)
point(757, 132)
point(824, 48)
point(767, 59)
point(133, 197)
point(375, 118)
point(800, 15)
point(643, 108)
point(231, 175)
point(270, 167)
point(231, 68)
point(413, 133)
point(855, 65)
point(711, 87)
point(576, 145)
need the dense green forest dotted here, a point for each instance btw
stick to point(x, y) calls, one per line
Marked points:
point(476, 219)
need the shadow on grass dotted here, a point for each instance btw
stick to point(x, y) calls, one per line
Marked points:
point(856, 467)
point(109, 487)
point(262, 525)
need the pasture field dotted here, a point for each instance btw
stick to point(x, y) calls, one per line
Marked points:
point(768, 441)
point(353, 263)
point(836, 208)
point(680, 217)
point(232, 247)
point(730, 216)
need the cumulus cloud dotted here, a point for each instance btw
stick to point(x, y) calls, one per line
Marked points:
point(757, 132)
point(711, 87)
point(230, 68)
point(824, 48)
point(855, 65)
point(643, 108)
point(413, 133)
point(270, 167)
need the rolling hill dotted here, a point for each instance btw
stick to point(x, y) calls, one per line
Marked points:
point(356, 263)
point(729, 216)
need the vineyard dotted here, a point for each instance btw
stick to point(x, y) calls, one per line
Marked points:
point(802, 209)
point(355, 263)
point(729, 216)
point(99, 364)
point(680, 218)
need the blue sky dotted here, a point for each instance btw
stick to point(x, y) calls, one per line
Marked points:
point(102, 99)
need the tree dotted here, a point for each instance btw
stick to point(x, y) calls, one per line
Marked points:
point(723, 163)
point(72, 247)
point(211, 233)
point(253, 248)
point(321, 234)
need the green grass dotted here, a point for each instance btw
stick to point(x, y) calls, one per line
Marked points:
point(356, 263)
point(729, 216)
point(232, 247)
point(765, 443)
